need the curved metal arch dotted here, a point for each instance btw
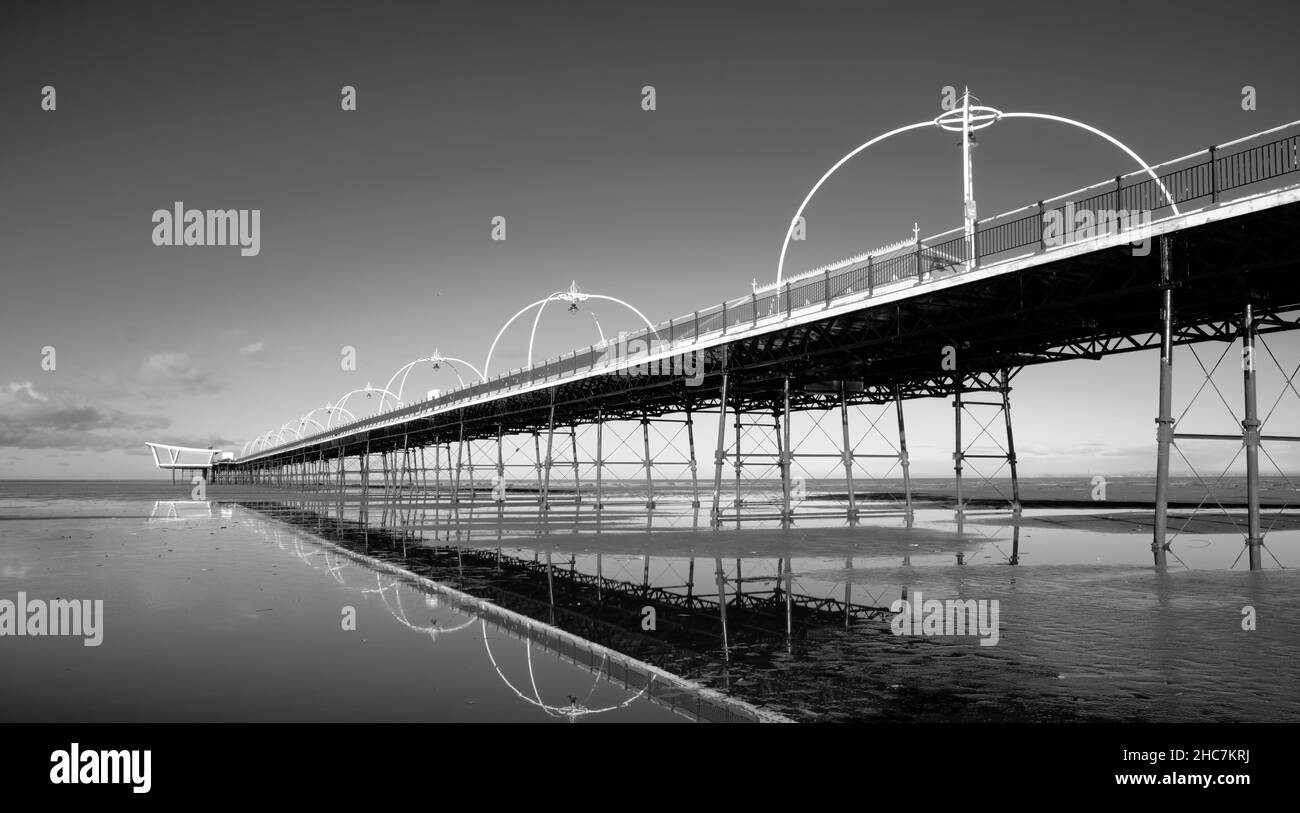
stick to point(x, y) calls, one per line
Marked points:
point(436, 359)
point(330, 410)
point(308, 418)
point(532, 335)
point(1115, 141)
point(785, 244)
point(384, 393)
point(541, 303)
point(287, 428)
point(603, 341)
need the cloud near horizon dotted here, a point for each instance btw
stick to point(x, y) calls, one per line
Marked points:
point(30, 419)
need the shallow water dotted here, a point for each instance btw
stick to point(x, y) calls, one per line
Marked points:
point(231, 609)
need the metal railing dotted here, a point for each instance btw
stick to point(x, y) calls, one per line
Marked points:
point(1202, 176)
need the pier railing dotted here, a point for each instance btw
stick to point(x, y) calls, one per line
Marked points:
point(1243, 167)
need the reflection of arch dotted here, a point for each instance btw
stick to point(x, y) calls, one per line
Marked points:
point(574, 710)
point(369, 391)
point(394, 606)
point(399, 612)
point(437, 359)
point(944, 122)
point(573, 296)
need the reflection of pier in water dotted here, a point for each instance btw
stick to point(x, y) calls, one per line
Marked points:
point(369, 550)
point(757, 608)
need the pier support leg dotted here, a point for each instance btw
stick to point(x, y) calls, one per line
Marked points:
point(550, 437)
point(903, 459)
point(649, 469)
point(600, 461)
point(1165, 420)
point(500, 491)
point(365, 476)
point(573, 445)
point(739, 414)
point(785, 454)
point(537, 466)
point(958, 455)
point(1250, 434)
point(460, 450)
point(690, 441)
point(469, 468)
point(1011, 442)
point(719, 457)
point(847, 454)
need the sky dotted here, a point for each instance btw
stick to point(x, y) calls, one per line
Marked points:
point(376, 223)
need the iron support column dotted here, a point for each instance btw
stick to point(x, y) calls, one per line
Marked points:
point(690, 441)
point(847, 456)
point(1011, 442)
point(903, 458)
point(719, 456)
point(783, 449)
point(1165, 420)
point(1250, 434)
point(649, 482)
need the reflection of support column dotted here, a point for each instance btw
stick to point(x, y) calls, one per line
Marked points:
point(848, 593)
point(902, 453)
point(1011, 443)
point(847, 450)
point(1250, 434)
point(649, 481)
point(957, 454)
point(785, 453)
point(721, 582)
point(789, 591)
point(690, 440)
point(719, 456)
point(1165, 420)
point(1015, 544)
point(550, 580)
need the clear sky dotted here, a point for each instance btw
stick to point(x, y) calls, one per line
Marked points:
point(376, 223)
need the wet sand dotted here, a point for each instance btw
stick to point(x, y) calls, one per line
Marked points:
point(218, 610)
